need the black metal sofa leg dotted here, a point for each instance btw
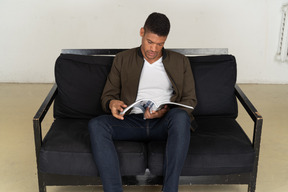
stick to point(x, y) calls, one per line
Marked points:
point(41, 183)
point(42, 187)
point(252, 186)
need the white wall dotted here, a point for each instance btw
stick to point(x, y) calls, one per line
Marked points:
point(33, 32)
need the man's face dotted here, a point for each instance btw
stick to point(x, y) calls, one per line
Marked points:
point(152, 45)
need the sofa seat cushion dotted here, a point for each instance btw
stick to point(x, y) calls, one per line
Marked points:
point(66, 150)
point(219, 146)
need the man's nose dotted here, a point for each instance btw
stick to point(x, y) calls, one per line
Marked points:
point(153, 47)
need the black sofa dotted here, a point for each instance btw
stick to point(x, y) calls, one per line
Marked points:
point(220, 151)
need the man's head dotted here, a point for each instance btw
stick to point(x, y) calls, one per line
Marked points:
point(154, 34)
point(158, 24)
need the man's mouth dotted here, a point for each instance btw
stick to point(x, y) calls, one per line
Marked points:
point(151, 54)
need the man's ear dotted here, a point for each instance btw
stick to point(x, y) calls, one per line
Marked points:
point(142, 32)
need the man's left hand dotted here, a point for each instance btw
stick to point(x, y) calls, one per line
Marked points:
point(155, 114)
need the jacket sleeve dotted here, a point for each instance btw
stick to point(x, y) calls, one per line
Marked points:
point(112, 88)
point(188, 92)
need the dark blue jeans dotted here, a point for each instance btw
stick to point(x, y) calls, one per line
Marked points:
point(173, 127)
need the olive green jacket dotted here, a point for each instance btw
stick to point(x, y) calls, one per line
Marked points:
point(123, 80)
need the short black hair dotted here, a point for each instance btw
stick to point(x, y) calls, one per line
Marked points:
point(158, 24)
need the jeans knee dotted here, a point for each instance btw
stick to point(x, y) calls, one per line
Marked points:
point(180, 120)
point(182, 114)
point(96, 126)
point(179, 115)
point(92, 125)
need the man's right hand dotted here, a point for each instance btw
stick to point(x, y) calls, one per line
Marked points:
point(117, 106)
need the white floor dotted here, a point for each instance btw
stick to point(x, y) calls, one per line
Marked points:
point(19, 103)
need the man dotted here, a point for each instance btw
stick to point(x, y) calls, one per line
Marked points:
point(147, 72)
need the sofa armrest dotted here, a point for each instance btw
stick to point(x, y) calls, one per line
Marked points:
point(258, 122)
point(39, 116)
point(254, 114)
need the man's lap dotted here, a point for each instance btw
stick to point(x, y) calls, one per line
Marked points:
point(134, 126)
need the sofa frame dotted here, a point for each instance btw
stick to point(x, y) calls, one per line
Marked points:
point(45, 179)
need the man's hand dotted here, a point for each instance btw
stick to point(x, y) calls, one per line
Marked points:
point(155, 114)
point(116, 106)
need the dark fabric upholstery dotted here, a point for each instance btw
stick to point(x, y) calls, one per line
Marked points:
point(219, 146)
point(215, 78)
point(80, 80)
point(66, 150)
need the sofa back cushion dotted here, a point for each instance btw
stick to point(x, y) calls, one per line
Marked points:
point(215, 78)
point(80, 80)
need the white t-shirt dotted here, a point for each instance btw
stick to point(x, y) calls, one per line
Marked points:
point(154, 84)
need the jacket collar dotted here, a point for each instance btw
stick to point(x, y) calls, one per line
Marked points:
point(164, 53)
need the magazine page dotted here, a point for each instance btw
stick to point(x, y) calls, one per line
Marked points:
point(173, 103)
point(143, 104)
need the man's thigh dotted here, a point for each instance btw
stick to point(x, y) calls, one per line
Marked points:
point(175, 118)
point(133, 127)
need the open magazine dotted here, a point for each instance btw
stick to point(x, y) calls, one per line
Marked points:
point(143, 104)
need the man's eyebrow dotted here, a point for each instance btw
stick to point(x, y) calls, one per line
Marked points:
point(150, 40)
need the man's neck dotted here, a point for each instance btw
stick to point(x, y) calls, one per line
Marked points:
point(142, 54)
point(151, 61)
